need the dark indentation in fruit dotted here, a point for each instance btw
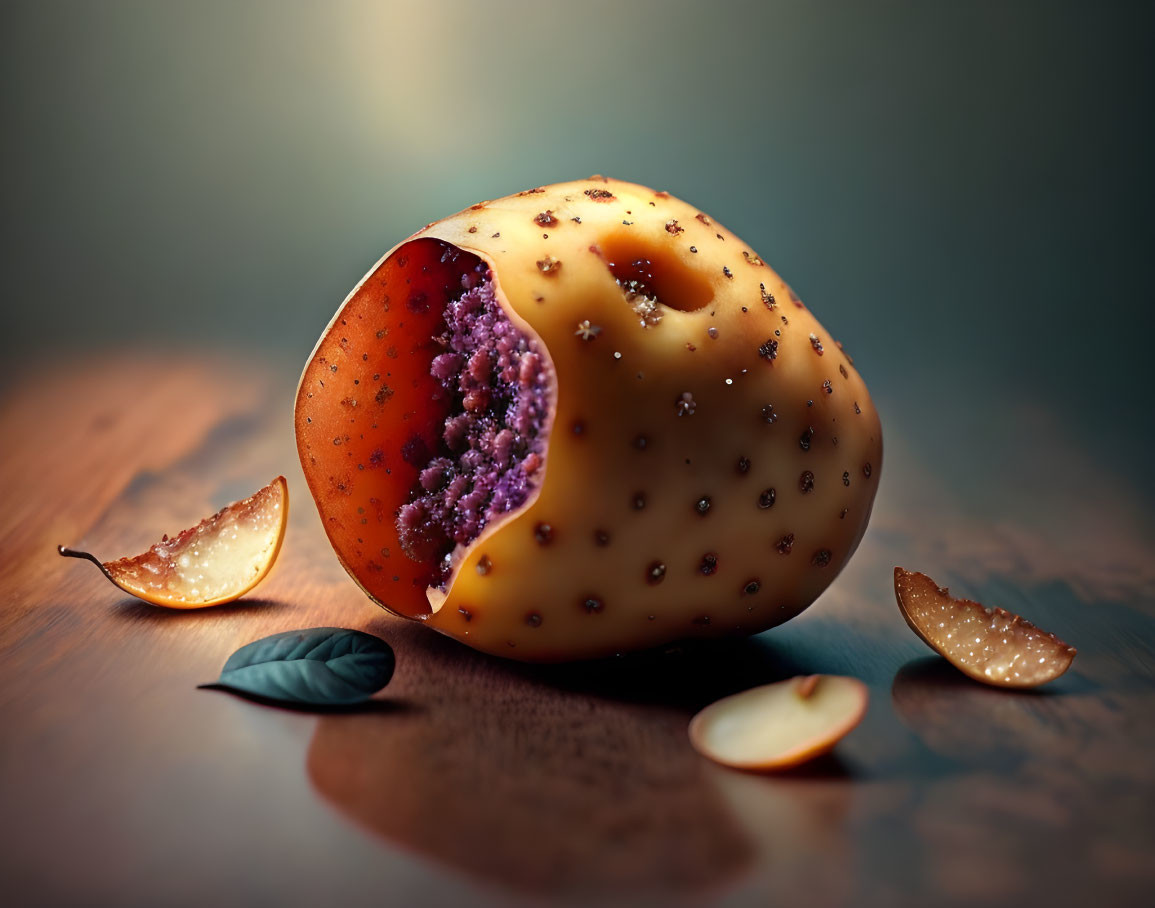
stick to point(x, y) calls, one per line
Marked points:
point(842, 514)
point(751, 587)
point(652, 277)
point(593, 604)
point(545, 219)
point(768, 414)
point(743, 465)
point(767, 297)
point(533, 619)
point(726, 271)
point(702, 620)
point(601, 538)
point(785, 544)
point(600, 195)
point(806, 482)
point(856, 408)
point(805, 438)
point(845, 478)
point(842, 369)
point(769, 349)
point(465, 613)
point(484, 565)
point(821, 558)
point(826, 387)
point(709, 564)
point(685, 405)
point(866, 470)
point(702, 505)
point(548, 265)
point(638, 501)
point(766, 498)
point(543, 533)
point(579, 427)
point(656, 572)
point(641, 442)
point(417, 301)
point(673, 228)
point(492, 442)
point(816, 344)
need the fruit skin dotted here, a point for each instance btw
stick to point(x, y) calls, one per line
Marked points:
point(646, 429)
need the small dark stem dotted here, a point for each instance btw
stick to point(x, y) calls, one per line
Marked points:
point(74, 553)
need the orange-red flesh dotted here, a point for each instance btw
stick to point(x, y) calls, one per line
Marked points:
point(989, 645)
point(779, 725)
point(217, 561)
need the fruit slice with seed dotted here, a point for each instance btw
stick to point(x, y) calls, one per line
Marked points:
point(989, 645)
point(217, 561)
point(779, 725)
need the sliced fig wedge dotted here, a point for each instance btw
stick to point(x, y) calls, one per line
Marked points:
point(779, 725)
point(988, 644)
point(217, 561)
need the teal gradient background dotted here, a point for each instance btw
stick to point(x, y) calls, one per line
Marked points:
point(961, 192)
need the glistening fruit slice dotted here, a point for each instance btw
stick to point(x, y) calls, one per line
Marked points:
point(217, 561)
point(779, 725)
point(989, 645)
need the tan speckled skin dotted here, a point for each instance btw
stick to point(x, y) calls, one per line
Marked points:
point(551, 277)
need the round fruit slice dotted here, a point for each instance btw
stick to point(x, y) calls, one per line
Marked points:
point(779, 725)
point(217, 561)
point(989, 645)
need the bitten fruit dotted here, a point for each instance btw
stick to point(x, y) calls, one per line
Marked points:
point(581, 420)
point(217, 561)
point(989, 645)
point(779, 725)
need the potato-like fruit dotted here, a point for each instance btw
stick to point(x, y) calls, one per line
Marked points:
point(582, 420)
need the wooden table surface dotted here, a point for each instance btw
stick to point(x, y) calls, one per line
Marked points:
point(471, 780)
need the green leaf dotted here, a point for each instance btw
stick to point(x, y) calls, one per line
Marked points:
point(325, 666)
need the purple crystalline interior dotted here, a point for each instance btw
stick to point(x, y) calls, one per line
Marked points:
point(493, 444)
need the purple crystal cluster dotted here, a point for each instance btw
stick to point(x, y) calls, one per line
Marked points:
point(494, 439)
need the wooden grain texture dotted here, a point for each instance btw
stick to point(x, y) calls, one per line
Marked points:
point(471, 780)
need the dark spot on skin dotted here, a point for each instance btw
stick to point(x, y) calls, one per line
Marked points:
point(766, 498)
point(640, 442)
point(548, 265)
point(726, 271)
point(639, 501)
point(599, 195)
point(545, 219)
point(752, 258)
point(465, 613)
point(842, 369)
point(702, 505)
point(842, 515)
point(418, 301)
point(656, 572)
point(743, 465)
point(768, 414)
point(751, 587)
point(712, 332)
point(805, 438)
point(856, 410)
point(826, 387)
point(821, 558)
point(846, 479)
point(333, 368)
point(601, 538)
point(806, 482)
point(816, 344)
point(709, 565)
point(785, 544)
point(866, 470)
point(533, 619)
point(767, 297)
point(769, 350)
point(673, 228)
point(543, 533)
point(483, 565)
point(579, 427)
point(694, 249)
point(702, 620)
point(701, 217)
point(415, 452)
point(592, 604)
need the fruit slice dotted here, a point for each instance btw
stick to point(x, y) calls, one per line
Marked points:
point(989, 645)
point(779, 725)
point(217, 561)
